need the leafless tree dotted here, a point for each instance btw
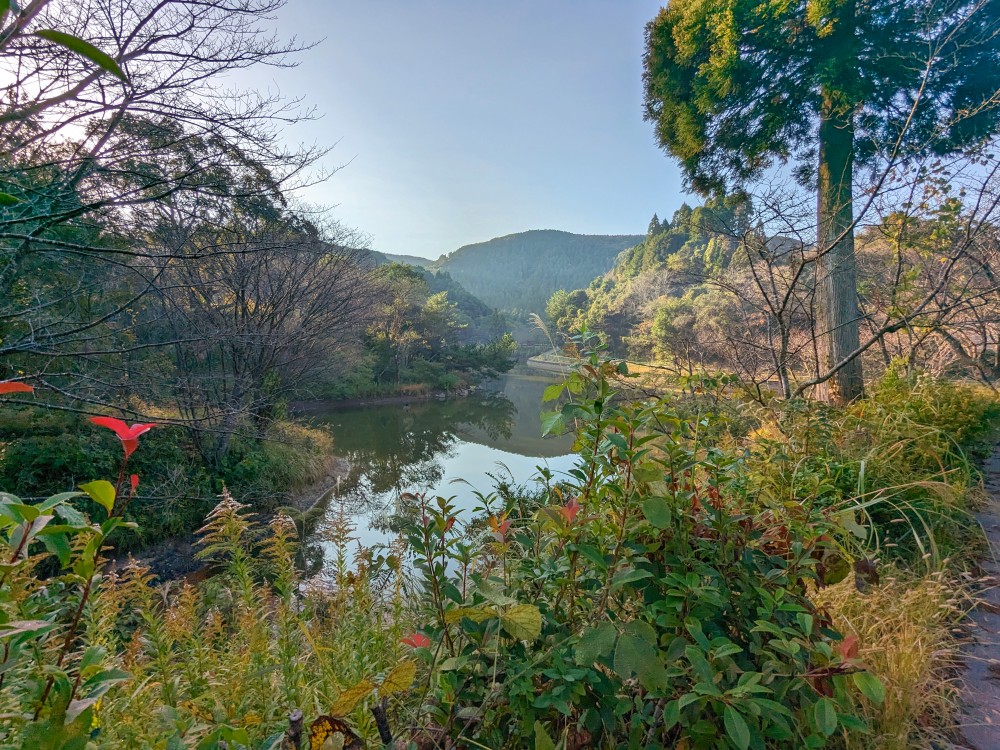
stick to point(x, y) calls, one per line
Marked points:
point(271, 305)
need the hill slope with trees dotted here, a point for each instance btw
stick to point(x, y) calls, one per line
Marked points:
point(519, 272)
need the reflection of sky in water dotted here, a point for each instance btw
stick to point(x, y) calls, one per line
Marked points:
point(471, 463)
point(427, 446)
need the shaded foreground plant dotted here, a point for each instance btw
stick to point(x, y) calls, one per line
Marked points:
point(667, 592)
point(647, 601)
point(94, 658)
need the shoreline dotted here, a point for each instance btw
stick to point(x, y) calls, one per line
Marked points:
point(314, 406)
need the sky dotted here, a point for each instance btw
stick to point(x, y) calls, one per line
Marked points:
point(456, 121)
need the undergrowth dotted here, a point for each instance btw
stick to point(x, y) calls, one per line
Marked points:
point(712, 574)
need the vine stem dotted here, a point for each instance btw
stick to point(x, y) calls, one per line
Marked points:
point(67, 643)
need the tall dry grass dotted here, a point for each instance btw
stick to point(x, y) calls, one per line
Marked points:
point(905, 629)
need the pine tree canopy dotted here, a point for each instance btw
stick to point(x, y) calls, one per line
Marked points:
point(732, 85)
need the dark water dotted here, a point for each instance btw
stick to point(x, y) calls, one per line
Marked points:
point(444, 448)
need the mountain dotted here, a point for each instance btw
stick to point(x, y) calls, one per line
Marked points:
point(521, 271)
point(410, 260)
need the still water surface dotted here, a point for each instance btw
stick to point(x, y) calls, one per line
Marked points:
point(438, 447)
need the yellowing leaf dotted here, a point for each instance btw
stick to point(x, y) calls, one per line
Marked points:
point(101, 492)
point(399, 679)
point(349, 698)
point(523, 621)
point(476, 614)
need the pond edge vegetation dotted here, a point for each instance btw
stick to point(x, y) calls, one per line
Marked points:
point(714, 573)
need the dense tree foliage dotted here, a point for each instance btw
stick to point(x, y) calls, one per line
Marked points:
point(732, 86)
point(415, 336)
point(721, 289)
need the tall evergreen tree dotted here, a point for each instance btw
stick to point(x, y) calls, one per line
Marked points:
point(732, 85)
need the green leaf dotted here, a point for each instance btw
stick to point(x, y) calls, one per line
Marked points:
point(553, 392)
point(825, 714)
point(552, 423)
point(523, 622)
point(671, 714)
point(871, 686)
point(27, 512)
point(84, 49)
point(657, 512)
point(647, 473)
point(699, 664)
point(736, 728)
point(60, 499)
point(23, 626)
point(101, 492)
point(92, 657)
point(6, 199)
point(642, 630)
point(629, 575)
point(542, 739)
point(72, 516)
point(493, 594)
point(593, 554)
point(847, 521)
point(58, 545)
point(636, 656)
point(595, 643)
point(100, 682)
point(727, 649)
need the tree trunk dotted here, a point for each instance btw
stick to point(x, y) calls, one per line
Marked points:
point(837, 283)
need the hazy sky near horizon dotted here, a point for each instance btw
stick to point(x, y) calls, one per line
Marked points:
point(461, 120)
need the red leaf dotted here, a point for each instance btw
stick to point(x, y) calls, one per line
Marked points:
point(13, 386)
point(134, 481)
point(128, 435)
point(570, 510)
point(848, 648)
point(417, 640)
point(499, 526)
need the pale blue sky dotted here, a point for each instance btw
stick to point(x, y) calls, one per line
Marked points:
point(464, 120)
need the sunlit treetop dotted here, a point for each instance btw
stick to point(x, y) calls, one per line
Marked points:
point(732, 85)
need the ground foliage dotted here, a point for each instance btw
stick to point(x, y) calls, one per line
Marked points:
point(705, 577)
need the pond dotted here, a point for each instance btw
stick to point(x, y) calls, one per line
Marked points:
point(447, 448)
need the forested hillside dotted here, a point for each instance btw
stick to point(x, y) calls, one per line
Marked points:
point(482, 321)
point(520, 272)
point(719, 288)
point(154, 267)
point(412, 260)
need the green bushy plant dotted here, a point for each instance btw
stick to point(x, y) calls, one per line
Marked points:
point(650, 602)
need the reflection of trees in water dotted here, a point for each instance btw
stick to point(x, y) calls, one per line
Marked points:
point(524, 434)
point(393, 449)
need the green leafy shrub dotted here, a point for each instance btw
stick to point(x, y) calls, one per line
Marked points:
point(652, 602)
point(667, 593)
point(177, 491)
